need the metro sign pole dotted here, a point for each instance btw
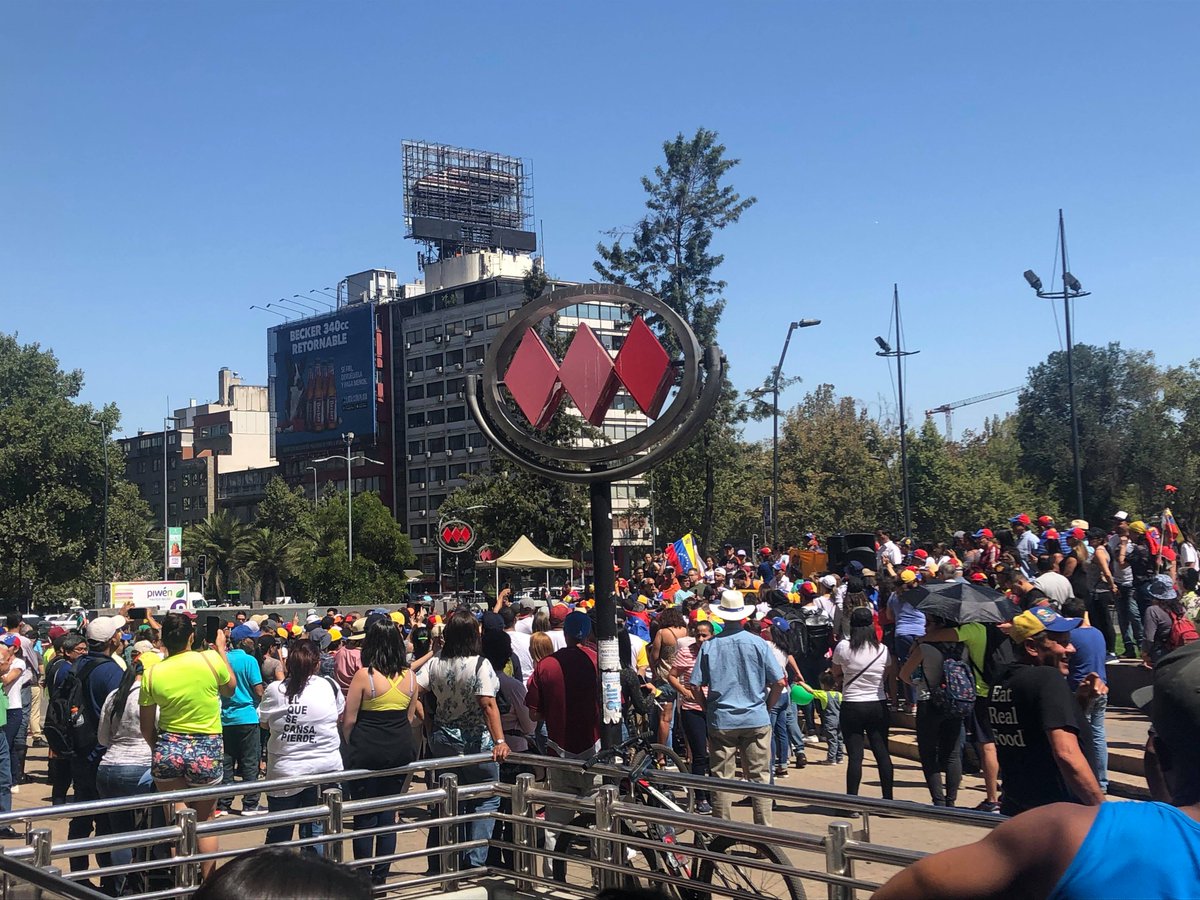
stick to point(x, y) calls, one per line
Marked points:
point(520, 367)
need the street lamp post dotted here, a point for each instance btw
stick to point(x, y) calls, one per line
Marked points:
point(104, 538)
point(1071, 290)
point(802, 323)
point(348, 437)
point(885, 349)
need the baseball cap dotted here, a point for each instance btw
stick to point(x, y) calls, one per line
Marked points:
point(102, 628)
point(978, 576)
point(1120, 515)
point(908, 576)
point(335, 634)
point(559, 613)
point(241, 632)
point(1045, 520)
point(491, 621)
point(1173, 704)
point(781, 623)
point(320, 637)
point(1034, 621)
point(741, 553)
point(1078, 533)
point(1021, 519)
point(920, 554)
point(1051, 534)
point(10, 640)
point(577, 625)
point(56, 631)
point(765, 551)
point(983, 533)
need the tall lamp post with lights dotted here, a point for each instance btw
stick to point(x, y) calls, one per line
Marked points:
point(802, 323)
point(348, 437)
point(1071, 290)
point(885, 350)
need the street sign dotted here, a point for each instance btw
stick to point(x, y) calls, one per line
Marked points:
point(455, 536)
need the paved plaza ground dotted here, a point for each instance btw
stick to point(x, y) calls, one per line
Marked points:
point(1127, 733)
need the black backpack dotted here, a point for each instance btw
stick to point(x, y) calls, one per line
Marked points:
point(816, 631)
point(70, 726)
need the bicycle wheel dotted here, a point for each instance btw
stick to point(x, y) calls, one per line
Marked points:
point(642, 863)
point(664, 759)
point(746, 878)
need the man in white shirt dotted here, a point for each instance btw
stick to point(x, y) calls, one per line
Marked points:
point(888, 556)
point(1056, 587)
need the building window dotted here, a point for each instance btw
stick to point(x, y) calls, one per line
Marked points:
point(457, 442)
point(418, 532)
point(173, 509)
point(437, 444)
point(432, 332)
point(417, 392)
point(432, 361)
point(416, 364)
point(435, 390)
point(141, 467)
point(477, 467)
point(436, 501)
point(416, 504)
point(456, 414)
point(474, 324)
point(476, 439)
point(454, 357)
point(414, 337)
point(495, 320)
point(458, 470)
point(437, 473)
point(416, 420)
point(476, 352)
point(435, 417)
point(416, 476)
point(416, 447)
point(453, 328)
point(455, 385)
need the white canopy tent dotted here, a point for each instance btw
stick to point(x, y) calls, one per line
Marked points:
point(524, 554)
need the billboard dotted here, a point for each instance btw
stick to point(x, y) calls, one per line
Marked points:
point(323, 377)
point(165, 596)
point(175, 548)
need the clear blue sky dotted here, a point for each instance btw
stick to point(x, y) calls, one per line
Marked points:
point(165, 165)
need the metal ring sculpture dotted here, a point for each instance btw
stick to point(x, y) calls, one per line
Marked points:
point(699, 390)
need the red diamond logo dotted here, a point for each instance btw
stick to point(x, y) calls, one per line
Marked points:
point(588, 374)
point(644, 368)
point(532, 379)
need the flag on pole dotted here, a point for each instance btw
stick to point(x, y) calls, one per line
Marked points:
point(683, 554)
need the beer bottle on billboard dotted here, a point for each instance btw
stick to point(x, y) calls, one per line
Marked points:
point(331, 417)
point(319, 399)
point(310, 392)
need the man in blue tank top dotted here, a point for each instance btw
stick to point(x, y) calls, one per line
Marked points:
point(1065, 851)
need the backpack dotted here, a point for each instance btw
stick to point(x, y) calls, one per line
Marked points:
point(955, 694)
point(70, 726)
point(816, 631)
point(1182, 632)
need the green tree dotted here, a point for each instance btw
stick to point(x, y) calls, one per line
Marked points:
point(269, 561)
point(833, 470)
point(284, 510)
point(51, 472)
point(223, 541)
point(1123, 424)
point(668, 253)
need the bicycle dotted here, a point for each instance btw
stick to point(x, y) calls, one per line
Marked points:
point(673, 858)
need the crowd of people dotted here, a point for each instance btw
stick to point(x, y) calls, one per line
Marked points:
point(744, 665)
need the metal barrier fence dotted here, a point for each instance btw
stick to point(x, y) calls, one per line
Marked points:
point(617, 840)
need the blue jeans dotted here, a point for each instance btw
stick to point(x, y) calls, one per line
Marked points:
point(5, 778)
point(123, 781)
point(243, 750)
point(1099, 740)
point(380, 844)
point(904, 645)
point(1129, 617)
point(780, 738)
point(794, 732)
point(480, 829)
point(278, 834)
point(14, 736)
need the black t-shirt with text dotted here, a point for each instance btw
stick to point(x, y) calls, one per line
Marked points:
point(1025, 703)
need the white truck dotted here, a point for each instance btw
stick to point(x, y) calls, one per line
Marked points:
point(160, 596)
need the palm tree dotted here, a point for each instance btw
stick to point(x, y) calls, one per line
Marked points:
point(270, 557)
point(223, 541)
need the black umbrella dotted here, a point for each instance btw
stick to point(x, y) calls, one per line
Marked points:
point(959, 602)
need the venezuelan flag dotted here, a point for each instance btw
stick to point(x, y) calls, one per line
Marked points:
point(683, 554)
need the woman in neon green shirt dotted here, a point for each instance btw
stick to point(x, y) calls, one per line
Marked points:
point(185, 691)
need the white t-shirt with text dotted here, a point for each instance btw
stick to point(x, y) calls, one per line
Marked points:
point(303, 733)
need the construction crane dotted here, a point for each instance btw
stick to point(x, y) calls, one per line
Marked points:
point(948, 407)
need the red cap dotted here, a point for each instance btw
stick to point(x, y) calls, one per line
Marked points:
point(1050, 534)
point(559, 613)
point(1045, 520)
point(1078, 533)
point(808, 589)
point(56, 631)
point(1022, 519)
point(920, 554)
point(621, 582)
point(978, 576)
point(765, 551)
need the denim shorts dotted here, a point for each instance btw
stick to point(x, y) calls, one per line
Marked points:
point(196, 758)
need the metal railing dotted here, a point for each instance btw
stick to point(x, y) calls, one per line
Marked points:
point(614, 830)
